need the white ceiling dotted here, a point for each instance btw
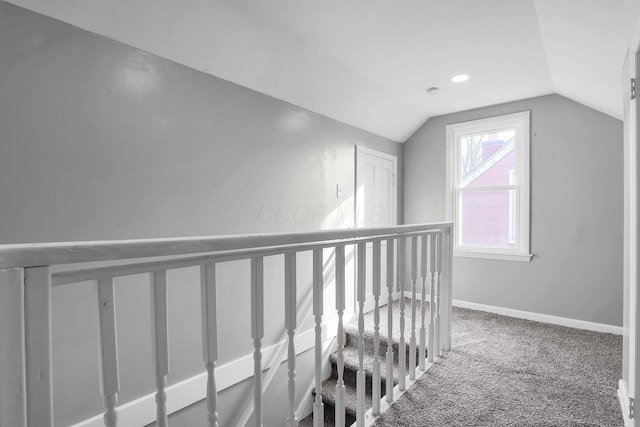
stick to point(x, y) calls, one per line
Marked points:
point(368, 62)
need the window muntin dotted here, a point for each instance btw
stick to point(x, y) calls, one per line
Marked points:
point(482, 153)
point(488, 185)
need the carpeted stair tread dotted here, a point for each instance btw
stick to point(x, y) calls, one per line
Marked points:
point(352, 342)
point(350, 400)
point(329, 401)
point(352, 362)
point(351, 329)
point(306, 422)
point(383, 325)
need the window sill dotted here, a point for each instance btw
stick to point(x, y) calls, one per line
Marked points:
point(493, 255)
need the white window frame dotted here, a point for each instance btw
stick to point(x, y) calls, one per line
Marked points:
point(520, 123)
point(512, 208)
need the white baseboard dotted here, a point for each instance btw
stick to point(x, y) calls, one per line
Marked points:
point(623, 398)
point(537, 317)
point(142, 411)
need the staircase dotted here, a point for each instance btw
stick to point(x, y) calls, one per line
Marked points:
point(351, 363)
point(29, 275)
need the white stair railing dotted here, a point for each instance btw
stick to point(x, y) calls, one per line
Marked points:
point(27, 282)
point(414, 276)
point(209, 338)
point(402, 347)
point(340, 306)
point(160, 336)
point(290, 313)
point(389, 355)
point(304, 311)
point(361, 297)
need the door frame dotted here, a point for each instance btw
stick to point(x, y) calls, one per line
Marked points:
point(629, 387)
point(359, 151)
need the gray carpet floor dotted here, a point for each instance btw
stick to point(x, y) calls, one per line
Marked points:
point(504, 371)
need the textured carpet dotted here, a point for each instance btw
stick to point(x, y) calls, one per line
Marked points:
point(351, 363)
point(504, 371)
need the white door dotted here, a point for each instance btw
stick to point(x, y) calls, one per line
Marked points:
point(376, 206)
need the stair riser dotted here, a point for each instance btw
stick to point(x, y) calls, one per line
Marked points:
point(350, 373)
point(350, 378)
point(330, 408)
point(329, 415)
point(352, 341)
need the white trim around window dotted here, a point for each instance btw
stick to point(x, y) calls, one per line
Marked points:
point(519, 183)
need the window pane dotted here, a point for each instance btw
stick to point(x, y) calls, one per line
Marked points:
point(487, 219)
point(486, 159)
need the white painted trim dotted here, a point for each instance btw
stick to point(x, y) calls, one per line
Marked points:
point(536, 317)
point(142, 411)
point(624, 404)
point(493, 255)
point(39, 254)
point(491, 161)
point(375, 153)
point(633, 159)
point(520, 122)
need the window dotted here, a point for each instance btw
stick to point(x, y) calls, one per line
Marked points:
point(488, 187)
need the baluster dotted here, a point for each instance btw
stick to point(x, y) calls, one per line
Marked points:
point(423, 303)
point(109, 374)
point(340, 305)
point(414, 276)
point(376, 329)
point(318, 295)
point(435, 290)
point(290, 319)
point(159, 338)
point(37, 310)
point(433, 305)
point(389, 392)
point(402, 347)
point(257, 333)
point(445, 288)
point(361, 295)
point(209, 314)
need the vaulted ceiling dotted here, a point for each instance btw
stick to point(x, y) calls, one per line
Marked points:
point(368, 63)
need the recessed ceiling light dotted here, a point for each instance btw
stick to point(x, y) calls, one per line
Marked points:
point(460, 78)
point(432, 90)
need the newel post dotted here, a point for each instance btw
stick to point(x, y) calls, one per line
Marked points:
point(25, 347)
point(37, 314)
point(446, 288)
point(13, 401)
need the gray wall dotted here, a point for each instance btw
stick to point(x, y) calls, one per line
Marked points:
point(576, 212)
point(102, 141)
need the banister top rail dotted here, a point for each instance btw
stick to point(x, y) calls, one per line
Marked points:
point(40, 254)
point(137, 267)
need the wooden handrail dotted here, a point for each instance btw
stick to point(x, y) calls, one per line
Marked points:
point(40, 254)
